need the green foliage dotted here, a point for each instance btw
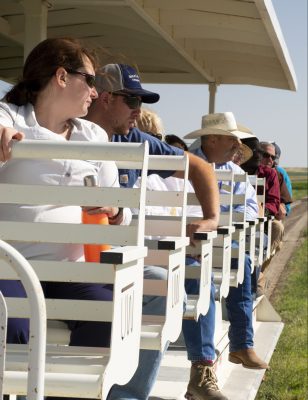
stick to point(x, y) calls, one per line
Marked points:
point(287, 379)
point(300, 189)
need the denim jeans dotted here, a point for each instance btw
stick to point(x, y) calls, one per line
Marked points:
point(140, 386)
point(199, 336)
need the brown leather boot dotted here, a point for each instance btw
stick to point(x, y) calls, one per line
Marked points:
point(248, 358)
point(203, 383)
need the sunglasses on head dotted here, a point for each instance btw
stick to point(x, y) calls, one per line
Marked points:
point(132, 102)
point(268, 155)
point(90, 79)
point(156, 135)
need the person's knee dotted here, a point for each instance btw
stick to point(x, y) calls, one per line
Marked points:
point(154, 272)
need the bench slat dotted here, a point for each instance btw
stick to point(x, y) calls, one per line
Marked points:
point(70, 195)
point(68, 233)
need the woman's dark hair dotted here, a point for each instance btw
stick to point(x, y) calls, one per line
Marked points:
point(173, 140)
point(42, 63)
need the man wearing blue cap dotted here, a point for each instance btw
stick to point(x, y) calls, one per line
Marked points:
point(120, 96)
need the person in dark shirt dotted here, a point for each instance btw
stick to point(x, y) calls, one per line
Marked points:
point(268, 153)
point(120, 96)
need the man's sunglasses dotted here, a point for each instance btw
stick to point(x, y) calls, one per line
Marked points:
point(132, 102)
point(268, 155)
point(90, 79)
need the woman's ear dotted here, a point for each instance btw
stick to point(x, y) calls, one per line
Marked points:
point(61, 76)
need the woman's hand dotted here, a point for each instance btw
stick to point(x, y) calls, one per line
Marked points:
point(6, 137)
point(110, 211)
point(115, 214)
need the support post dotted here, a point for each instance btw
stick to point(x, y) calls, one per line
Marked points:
point(36, 12)
point(212, 90)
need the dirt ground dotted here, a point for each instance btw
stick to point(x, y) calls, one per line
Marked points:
point(295, 223)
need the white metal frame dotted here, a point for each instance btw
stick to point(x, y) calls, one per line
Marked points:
point(37, 335)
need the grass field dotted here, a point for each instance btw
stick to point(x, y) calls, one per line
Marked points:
point(299, 179)
point(287, 379)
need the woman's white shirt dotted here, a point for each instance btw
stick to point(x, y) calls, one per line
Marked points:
point(51, 172)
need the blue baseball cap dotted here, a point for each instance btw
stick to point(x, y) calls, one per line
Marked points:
point(125, 79)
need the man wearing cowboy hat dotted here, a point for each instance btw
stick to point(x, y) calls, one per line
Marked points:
point(220, 140)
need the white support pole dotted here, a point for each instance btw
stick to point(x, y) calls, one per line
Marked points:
point(212, 90)
point(36, 12)
point(37, 341)
point(3, 329)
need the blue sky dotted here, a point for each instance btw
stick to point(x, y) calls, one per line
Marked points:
point(272, 114)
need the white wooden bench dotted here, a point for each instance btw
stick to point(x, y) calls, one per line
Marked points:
point(81, 371)
point(222, 249)
point(259, 185)
point(241, 225)
point(166, 242)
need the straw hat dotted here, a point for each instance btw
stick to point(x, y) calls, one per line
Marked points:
point(220, 124)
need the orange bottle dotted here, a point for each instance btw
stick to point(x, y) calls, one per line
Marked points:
point(92, 251)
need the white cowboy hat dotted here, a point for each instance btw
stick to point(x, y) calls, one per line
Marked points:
point(219, 124)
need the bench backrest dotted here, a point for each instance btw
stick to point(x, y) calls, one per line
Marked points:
point(165, 230)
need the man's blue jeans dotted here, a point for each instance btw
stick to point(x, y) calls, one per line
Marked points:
point(199, 336)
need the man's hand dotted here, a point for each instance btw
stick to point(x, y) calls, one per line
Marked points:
point(6, 137)
point(200, 226)
point(282, 212)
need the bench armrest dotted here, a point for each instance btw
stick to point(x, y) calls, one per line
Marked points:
point(122, 255)
point(206, 235)
point(225, 230)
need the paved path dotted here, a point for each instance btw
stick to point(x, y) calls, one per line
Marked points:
point(295, 223)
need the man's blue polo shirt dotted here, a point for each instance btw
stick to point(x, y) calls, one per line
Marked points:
point(128, 177)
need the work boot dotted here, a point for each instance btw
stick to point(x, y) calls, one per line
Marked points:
point(203, 383)
point(248, 358)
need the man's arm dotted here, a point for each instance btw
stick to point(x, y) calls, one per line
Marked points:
point(202, 177)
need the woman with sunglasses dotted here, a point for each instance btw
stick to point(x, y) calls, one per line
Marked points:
point(56, 88)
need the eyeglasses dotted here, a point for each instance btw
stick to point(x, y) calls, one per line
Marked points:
point(132, 102)
point(90, 79)
point(268, 155)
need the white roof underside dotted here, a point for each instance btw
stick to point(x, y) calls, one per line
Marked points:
point(171, 41)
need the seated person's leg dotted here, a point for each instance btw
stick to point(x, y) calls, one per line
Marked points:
point(277, 235)
point(154, 305)
point(199, 341)
point(239, 307)
point(84, 333)
point(18, 328)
